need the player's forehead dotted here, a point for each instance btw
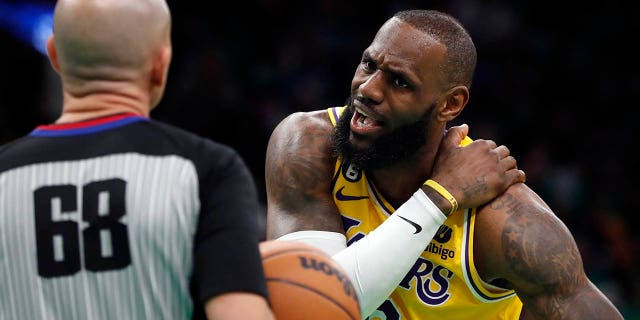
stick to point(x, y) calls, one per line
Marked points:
point(400, 46)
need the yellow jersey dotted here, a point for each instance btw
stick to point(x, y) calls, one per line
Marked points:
point(443, 283)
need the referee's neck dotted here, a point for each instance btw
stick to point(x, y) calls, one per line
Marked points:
point(93, 106)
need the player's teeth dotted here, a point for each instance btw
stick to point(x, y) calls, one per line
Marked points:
point(361, 112)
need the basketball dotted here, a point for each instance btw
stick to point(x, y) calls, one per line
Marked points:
point(305, 283)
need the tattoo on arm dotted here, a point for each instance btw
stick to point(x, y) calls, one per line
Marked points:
point(298, 175)
point(478, 187)
point(297, 164)
point(542, 255)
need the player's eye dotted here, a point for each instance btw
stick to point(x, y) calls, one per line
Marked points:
point(368, 65)
point(401, 82)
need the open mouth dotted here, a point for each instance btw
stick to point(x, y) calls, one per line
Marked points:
point(364, 122)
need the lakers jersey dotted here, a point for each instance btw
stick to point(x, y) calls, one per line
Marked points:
point(443, 283)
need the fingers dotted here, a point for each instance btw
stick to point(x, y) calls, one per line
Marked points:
point(516, 175)
point(509, 162)
point(502, 151)
point(511, 166)
point(484, 144)
point(455, 134)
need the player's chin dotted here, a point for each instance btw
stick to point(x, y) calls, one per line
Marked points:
point(359, 141)
point(365, 135)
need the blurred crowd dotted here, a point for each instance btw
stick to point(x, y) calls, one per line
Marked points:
point(555, 82)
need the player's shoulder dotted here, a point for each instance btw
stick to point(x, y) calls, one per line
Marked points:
point(302, 140)
point(520, 217)
point(517, 200)
point(301, 133)
point(305, 121)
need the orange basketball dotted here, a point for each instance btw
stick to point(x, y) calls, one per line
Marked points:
point(305, 283)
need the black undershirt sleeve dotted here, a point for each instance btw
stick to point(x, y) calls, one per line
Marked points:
point(226, 252)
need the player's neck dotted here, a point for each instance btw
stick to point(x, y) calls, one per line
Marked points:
point(399, 182)
point(99, 105)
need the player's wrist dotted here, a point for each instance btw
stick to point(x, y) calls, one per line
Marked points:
point(440, 196)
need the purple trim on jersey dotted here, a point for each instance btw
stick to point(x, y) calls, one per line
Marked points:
point(334, 180)
point(379, 198)
point(86, 127)
point(335, 113)
point(467, 264)
point(339, 171)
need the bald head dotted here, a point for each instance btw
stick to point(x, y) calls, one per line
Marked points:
point(103, 38)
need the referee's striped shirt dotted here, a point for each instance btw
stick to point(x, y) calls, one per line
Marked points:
point(123, 217)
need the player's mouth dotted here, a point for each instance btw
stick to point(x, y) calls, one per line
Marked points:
point(364, 122)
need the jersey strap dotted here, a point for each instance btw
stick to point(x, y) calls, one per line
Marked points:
point(334, 113)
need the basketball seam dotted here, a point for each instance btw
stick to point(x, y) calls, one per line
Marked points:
point(295, 250)
point(315, 291)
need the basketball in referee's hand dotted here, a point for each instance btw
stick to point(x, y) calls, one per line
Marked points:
point(306, 283)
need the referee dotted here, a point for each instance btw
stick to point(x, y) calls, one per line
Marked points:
point(108, 214)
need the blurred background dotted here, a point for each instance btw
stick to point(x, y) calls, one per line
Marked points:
point(556, 82)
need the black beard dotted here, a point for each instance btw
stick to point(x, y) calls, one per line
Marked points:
point(400, 145)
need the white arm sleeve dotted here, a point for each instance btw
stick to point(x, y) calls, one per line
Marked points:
point(329, 242)
point(377, 263)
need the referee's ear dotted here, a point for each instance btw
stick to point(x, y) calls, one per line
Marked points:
point(53, 55)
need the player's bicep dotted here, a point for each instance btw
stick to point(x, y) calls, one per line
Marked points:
point(298, 173)
point(542, 260)
point(585, 301)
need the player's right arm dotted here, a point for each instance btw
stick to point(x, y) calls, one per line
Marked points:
point(298, 172)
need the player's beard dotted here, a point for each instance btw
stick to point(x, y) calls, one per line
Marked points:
point(398, 146)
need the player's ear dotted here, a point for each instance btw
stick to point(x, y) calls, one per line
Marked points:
point(53, 54)
point(455, 99)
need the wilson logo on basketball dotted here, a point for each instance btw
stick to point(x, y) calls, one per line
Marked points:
point(313, 264)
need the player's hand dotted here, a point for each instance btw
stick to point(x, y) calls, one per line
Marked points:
point(477, 173)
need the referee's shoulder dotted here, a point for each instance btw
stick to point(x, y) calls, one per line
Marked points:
point(10, 146)
point(191, 143)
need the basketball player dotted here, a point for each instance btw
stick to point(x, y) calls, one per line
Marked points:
point(107, 214)
point(365, 203)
